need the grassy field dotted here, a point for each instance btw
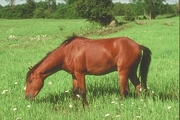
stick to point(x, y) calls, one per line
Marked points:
point(24, 42)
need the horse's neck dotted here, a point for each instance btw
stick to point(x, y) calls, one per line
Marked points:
point(50, 65)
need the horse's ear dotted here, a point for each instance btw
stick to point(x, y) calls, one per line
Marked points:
point(30, 67)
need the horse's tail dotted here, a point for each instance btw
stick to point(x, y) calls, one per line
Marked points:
point(144, 65)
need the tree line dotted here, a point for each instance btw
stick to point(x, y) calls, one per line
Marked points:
point(102, 11)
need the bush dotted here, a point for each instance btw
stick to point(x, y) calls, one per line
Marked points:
point(64, 11)
point(38, 13)
point(95, 10)
point(129, 16)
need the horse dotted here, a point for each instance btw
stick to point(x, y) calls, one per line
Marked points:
point(80, 56)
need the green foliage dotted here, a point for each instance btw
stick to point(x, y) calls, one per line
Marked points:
point(150, 7)
point(153, 7)
point(51, 6)
point(137, 7)
point(11, 3)
point(102, 11)
point(97, 11)
point(168, 9)
point(39, 13)
point(29, 7)
point(12, 13)
point(119, 9)
point(65, 11)
point(129, 16)
point(19, 11)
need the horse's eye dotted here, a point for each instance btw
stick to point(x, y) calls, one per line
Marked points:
point(30, 81)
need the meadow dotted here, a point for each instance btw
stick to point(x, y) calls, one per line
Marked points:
point(24, 42)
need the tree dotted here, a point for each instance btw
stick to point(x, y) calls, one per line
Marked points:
point(65, 11)
point(40, 8)
point(51, 5)
point(178, 6)
point(137, 7)
point(95, 10)
point(69, 1)
point(11, 2)
point(153, 7)
point(129, 16)
point(29, 8)
point(118, 9)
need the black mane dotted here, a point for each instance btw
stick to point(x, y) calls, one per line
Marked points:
point(69, 39)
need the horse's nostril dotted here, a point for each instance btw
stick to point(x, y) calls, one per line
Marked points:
point(29, 97)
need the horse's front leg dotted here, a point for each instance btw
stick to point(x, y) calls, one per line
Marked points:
point(80, 77)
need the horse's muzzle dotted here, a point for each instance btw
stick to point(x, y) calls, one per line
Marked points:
point(29, 97)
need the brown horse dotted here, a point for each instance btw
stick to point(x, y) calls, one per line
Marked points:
point(80, 56)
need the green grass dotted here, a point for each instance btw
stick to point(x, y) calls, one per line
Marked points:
point(24, 42)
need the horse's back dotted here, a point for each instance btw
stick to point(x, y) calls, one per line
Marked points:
point(101, 56)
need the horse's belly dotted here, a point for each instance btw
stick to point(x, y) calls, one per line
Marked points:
point(100, 69)
point(100, 72)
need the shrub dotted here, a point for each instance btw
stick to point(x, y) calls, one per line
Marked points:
point(129, 16)
point(95, 10)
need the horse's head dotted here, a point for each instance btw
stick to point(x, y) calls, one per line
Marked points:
point(34, 83)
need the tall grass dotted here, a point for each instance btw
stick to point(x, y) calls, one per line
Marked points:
point(24, 42)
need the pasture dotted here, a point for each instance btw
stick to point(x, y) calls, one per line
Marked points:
point(24, 42)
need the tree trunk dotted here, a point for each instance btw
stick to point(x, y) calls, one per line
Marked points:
point(150, 15)
point(178, 7)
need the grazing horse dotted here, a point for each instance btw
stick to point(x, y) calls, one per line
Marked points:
point(81, 56)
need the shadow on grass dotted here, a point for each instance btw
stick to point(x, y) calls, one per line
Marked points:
point(168, 96)
point(100, 91)
point(93, 92)
point(55, 98)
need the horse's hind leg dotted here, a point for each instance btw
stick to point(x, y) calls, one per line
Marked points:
point(134, 79)
point(123, 74)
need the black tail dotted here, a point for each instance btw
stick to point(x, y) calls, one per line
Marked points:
point(144, 65)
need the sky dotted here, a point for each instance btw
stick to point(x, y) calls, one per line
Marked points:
point(4, 3)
